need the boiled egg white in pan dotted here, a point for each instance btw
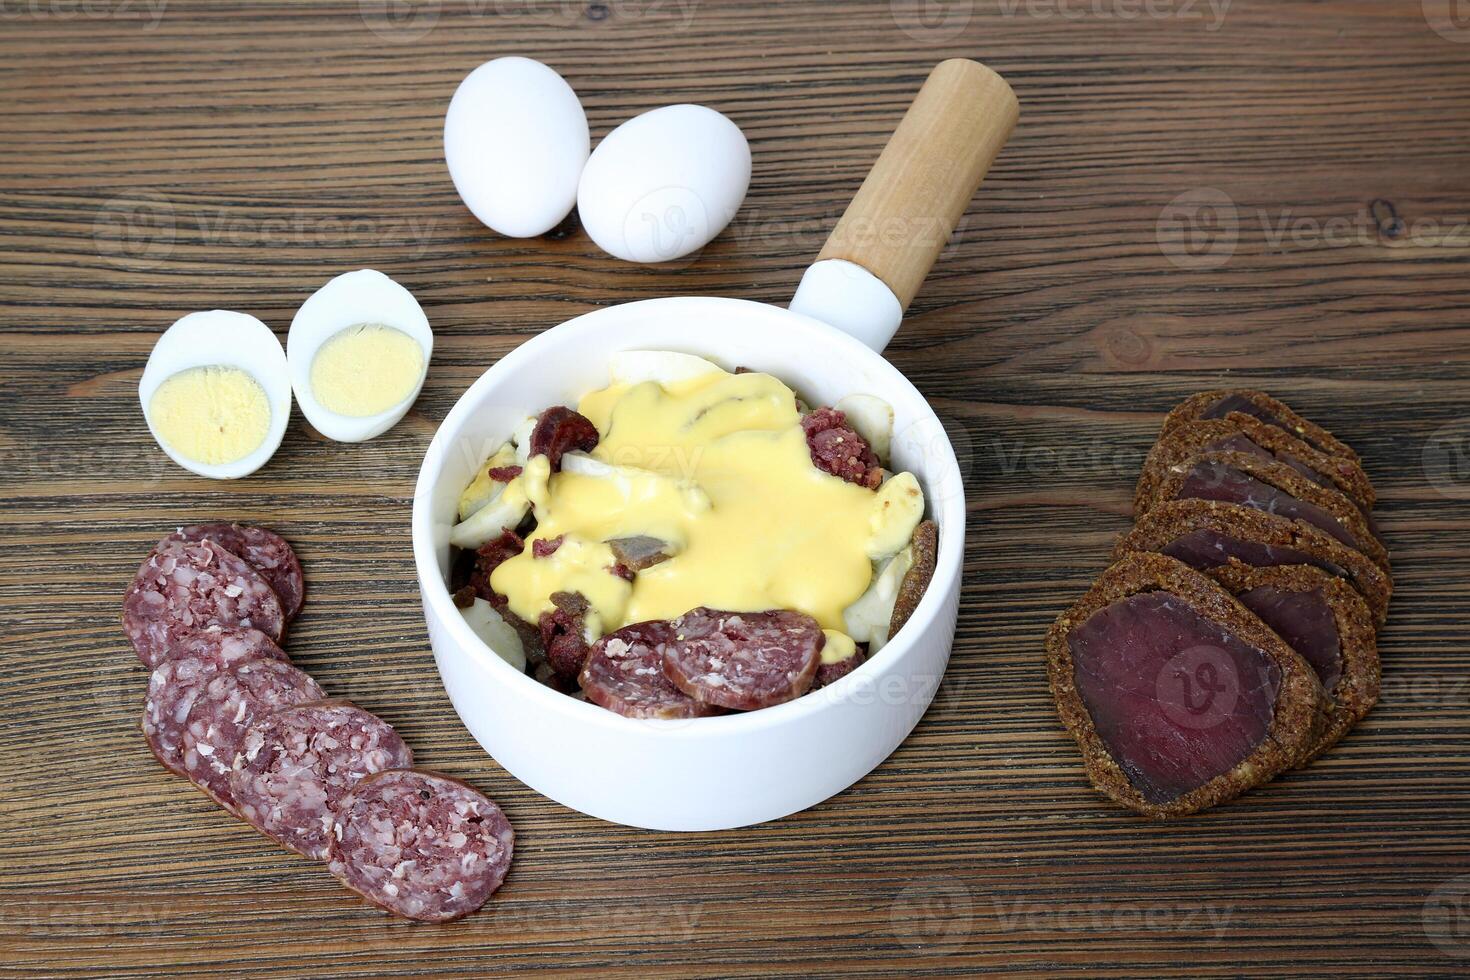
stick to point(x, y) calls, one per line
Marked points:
point(359, 351)
point(216, 394)
point(515, 140)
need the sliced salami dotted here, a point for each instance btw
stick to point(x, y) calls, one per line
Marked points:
point(558, 431)
point(625, 674)
point(186, 586)
point(228, 705)
point(294, 766)
point(265, 551)
point(420, 845)
point(743, 661)
point(177, 682)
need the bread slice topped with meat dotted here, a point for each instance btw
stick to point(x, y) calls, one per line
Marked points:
point(1272, 487)
point(1327, 622)
point(1227, 402)
point(1242, 433)
point(1206, 533)
point(1178, 696)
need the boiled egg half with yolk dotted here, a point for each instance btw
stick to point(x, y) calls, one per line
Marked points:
point(216, 394)
point(359, 351)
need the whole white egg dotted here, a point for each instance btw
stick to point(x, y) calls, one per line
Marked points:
point(359, 351)
point(664, 184)
point(516, 139)
point(211, 347)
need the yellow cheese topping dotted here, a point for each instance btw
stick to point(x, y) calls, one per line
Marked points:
point(717, 468)
point(366, 369)
point(212, 415)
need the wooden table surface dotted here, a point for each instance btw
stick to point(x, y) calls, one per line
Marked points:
point(1261, 191)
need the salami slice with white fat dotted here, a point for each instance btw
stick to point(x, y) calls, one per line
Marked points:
point(294, 766)
point(265, 551)
point(420, 845)
point(625, 674)
point(187, 586)
point(177, 682)
point(743, 661)
point(226, 708)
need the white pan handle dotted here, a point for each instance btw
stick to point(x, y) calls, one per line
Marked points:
point(902, 217)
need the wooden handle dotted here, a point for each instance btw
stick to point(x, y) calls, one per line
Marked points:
point(915, 194)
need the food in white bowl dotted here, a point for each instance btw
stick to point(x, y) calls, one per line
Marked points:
point(689, 540)
point(707, 772)
point(216, 394)
point(359, 351)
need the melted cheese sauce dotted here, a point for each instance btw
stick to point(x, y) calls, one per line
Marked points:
point(718, 468)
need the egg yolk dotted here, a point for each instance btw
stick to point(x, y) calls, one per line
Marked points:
point(212, 415)
point(366, 370)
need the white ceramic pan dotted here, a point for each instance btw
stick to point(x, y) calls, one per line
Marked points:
point(729, 771)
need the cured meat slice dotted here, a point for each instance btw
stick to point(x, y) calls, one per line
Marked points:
point(185, 586)
point(1266, 485)
point(491, 555)
point(837, 448)
point(1178, 698)
point(558, 431)
point(625, 674)
point(265, 551)
point(925, 545)
point(420, 845)
point(563, 636)
point(639, 552)
point(1325, 621)
point(840, 657)
point(743, 661)
point(1205, 533)
point(1257, 405)
point(294, 766)
point(177, 682)
point(1245, 434)
point(228, 705)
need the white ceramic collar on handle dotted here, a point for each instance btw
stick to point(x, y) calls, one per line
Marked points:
point(902, 217)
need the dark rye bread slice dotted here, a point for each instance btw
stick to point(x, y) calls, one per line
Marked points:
point(925, 545)
point(1257, 404)
point(1242, 433)
point(1327, 622)
point(1178, 697)
point(1206, 533)
point(1270, 486)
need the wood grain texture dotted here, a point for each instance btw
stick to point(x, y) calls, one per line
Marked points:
point(1264, 191)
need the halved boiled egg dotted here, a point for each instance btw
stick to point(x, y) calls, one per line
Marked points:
point(216, 394)
point(359, 351)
